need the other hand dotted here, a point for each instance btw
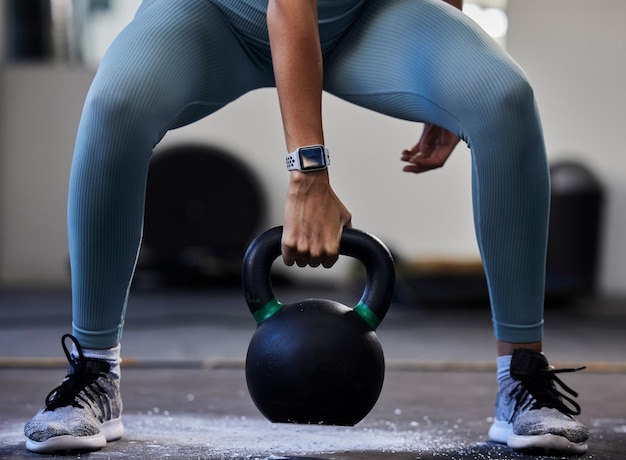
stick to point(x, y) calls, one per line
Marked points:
point(432, 150)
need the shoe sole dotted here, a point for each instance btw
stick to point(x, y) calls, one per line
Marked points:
point(500, 431)
point(548, 443)
point(112, 430)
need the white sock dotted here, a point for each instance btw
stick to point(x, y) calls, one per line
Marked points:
point(504, 368)
point(110, 355)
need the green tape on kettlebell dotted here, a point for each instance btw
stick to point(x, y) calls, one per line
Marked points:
point(368, 315)
point(267, 310)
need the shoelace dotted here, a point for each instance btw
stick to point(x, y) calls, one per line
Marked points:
point(67, 393)
point(540, 390)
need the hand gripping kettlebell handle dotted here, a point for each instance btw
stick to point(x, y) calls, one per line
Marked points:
point(369, 250)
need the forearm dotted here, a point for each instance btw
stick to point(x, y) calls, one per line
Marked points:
point(297, 60)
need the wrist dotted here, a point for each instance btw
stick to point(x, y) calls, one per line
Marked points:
point(303, 184)
point(300, 178)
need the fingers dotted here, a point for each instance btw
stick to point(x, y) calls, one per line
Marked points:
point(289, 256)
point(423, 150)
point(432, 151)
point(314, 252)
point(332, 256)
point(422, 163)
point(302, 249)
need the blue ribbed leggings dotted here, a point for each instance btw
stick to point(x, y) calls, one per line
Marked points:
point(418, 60)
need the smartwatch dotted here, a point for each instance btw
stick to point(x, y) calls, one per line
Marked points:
point(309, 158)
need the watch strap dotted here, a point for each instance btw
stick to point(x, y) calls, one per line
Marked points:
point(293, 159)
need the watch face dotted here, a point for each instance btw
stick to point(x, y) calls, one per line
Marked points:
point(312, 158)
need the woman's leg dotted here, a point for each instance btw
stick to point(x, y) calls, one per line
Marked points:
point(424, 61)
point(175, 63)
point(178, 61)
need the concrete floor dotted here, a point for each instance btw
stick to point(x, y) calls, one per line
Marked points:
point(185, 394)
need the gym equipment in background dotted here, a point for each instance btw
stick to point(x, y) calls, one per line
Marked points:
point(203, 207)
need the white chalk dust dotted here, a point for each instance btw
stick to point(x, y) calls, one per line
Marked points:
point(231, 437)
point(160, 435)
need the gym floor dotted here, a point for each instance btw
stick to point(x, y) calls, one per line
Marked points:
point(185, 394)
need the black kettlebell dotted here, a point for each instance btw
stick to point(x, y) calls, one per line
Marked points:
point(316, 361)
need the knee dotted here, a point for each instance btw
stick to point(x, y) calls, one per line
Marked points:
point(503, 113)
point(504, 125)
point(116, 121)
point(511, 95)
point(115, 104)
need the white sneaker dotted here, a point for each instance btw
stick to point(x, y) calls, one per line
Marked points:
point(531, 414)
point(83, 413)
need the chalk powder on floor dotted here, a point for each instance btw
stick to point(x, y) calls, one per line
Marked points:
point(159, 435)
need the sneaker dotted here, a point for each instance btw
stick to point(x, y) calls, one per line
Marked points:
point(82, 413)
point(532, 414)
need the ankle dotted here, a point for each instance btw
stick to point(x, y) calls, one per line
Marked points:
point(111, 355)
point(506, 348)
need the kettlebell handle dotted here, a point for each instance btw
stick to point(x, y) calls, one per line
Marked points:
point(369, 250)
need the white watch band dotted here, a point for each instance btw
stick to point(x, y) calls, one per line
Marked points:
point(308, 158)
